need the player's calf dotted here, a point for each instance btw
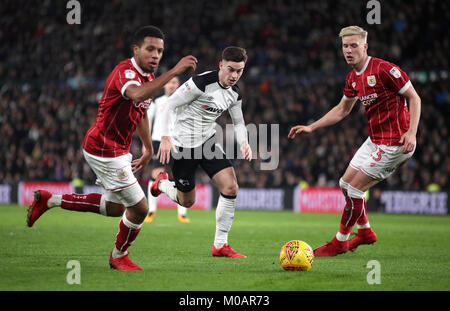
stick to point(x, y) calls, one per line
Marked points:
point(186, 199)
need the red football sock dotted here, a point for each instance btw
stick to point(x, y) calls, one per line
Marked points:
point(352, 211)
point(82, 202)
point(126, 235)
point(363, 219)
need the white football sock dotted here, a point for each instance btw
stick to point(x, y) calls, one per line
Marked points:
point(169, 188)
point(224, 219)
point(54, 200)
point(342, 237)
point(151, 199)
point(344, 186)
point(117, 254)
point(181, 210)
point(355, 193)
point(102, 209)
point(365, 226)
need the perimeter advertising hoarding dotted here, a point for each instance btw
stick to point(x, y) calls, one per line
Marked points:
point(309, 200)
point(319, 200)
point(414, 202)
point(5, 194)
point(331, 200)
point(261, 199)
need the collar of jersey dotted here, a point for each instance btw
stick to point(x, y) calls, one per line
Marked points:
point(139, 69)
point(365, 66)
point(225, 88)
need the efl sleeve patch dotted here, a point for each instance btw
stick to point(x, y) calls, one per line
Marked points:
point(395, 72)
point(130, 74)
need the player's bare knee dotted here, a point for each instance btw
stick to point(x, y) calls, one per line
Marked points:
point(186, 202)
point(140, 210)
point(230, 190)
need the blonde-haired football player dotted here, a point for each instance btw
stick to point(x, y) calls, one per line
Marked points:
point(385, 92)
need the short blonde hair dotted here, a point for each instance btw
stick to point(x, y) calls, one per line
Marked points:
point(354, 30)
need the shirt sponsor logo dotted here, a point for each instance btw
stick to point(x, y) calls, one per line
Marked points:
point(145, 104)
point(212, 109)
point(368, 99)
point(371, 81)
point(395, 72)
point(353, 84)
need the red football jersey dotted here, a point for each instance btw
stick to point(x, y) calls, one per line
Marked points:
point(379, 86)
point(118, 116)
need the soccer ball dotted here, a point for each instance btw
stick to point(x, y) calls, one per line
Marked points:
point(296, 255)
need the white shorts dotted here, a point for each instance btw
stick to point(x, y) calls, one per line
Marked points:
point(379, 161)
point(117, 178)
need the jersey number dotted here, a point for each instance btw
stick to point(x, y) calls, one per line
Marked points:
point(377, 154)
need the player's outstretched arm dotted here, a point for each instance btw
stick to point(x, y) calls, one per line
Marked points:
point(333, 116)
point(408, 140)
point(145, 91)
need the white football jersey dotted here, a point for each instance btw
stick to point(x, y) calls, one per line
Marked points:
point(197, 104)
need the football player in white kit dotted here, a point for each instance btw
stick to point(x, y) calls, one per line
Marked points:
point(195, 106)
point(154, 119)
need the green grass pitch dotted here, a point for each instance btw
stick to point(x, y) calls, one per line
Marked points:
point(413, 252)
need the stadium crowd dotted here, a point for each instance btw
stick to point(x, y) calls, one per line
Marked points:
point(52, 75)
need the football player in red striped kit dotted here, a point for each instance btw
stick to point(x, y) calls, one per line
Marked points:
point(128, 93)
point(384, 90)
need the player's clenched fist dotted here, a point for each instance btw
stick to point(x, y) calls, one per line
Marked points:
point(186, 63)
point(299, 129)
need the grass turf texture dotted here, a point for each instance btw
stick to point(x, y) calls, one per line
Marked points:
point(413, 251)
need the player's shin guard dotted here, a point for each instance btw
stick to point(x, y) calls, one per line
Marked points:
point(82, 202)
point(128, 232)
point(363, 221)
point(353, 210)
point(224, 219)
